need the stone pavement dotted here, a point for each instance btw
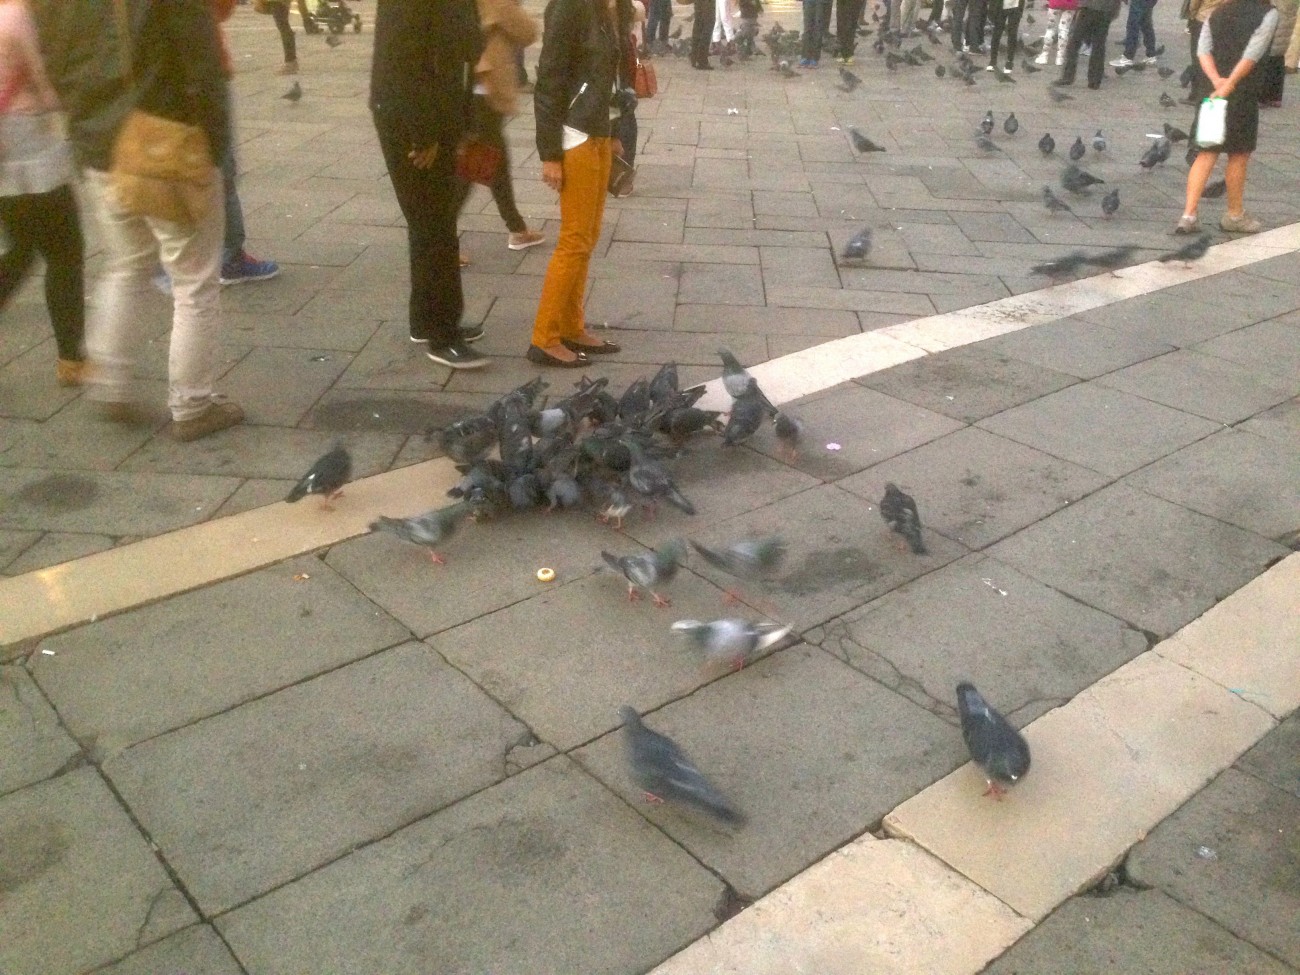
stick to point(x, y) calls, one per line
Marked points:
point(330, 765)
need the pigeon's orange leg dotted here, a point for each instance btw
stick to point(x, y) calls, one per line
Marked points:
point(653, 799)
point(436, 559)
point(661, 601)
point(996, 791)
point(632, 594)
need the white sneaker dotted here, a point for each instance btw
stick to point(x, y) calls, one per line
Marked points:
point(1122, 62)
point(1151, 60)
point(1060, 58)
point(1042, 58)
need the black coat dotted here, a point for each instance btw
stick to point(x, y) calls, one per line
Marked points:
point(421, 76)
point(579, 47)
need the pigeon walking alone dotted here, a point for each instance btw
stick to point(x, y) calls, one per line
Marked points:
point(730, 641)
point(1077, 149)
point(994, 744)
point(425, 530)
point(326, 477)
point(664, 773)
point(1054, 203)
point(858, 246)
point(647, 571)
point(294, 94)
point(899, 512)
point(1047, 145)
point(862, 143)
point(1012, 125)
point(1110, 202)
point(986, 123)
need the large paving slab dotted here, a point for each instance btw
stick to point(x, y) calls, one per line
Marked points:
point(1146, 737)
point(760, 735)
point(1204, 385)
point(196, 950)
point(1250, 881)
point(32, 741)
point(872, 908)
point(1131, 930)
point(1076, 347)
point(977, 488)
point(80, 884)
point(1272, 347)
point(1107, 430)
point(261, 794)
point(121, 680)
point(546, 872)
point(1056, 648)
point(1152, 563)
point(1273, 759)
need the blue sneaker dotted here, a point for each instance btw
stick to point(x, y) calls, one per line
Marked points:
point(244, 269)
point(162, 282)
point(807, 63)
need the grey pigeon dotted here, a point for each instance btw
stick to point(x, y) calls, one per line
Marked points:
point(1077, 150)
point(1112, 257)
point(1028, 67)
point(986, 123)
point(1192, 251)
point(848, 80)
point(1062, 265)
point(1054, 203)
point(326, 477)
point(1099, 142)
point(994, 744)
point(862, 143)
point(747, 558)
point(787, 71)
point(1214, 190)
point(650, 480)
point(986, 144)
point(1174, 134)
point(899, 512)
point(1012, 125)
point(1166, 101)
point(747, 414)
point(1003, 77)
point(661, 769)
point(737, 381)
point(294, 94)
point(1164, 72)
point(1151, 157)
point(647, 571)
point(466, 441)
point(1059, 96)
point(1110, 202)
point(940, 71)
point(425, 530)
point(789, 431)
point(733, 641)
point(1047, 145)
point(1077, 180)
point(858, 246)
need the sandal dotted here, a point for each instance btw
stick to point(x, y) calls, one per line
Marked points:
point(604, 348)
point(544, 358)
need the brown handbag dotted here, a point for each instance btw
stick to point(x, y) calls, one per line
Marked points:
point(478, 161)
point(644, 81)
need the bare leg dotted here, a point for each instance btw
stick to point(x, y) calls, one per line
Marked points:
point(1198, 176)
point(1234, 174)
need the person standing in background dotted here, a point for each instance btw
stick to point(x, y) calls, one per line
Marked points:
point(1091, 24)
point(1273, 66)
point(1005, 18)
point(847, 15)
point(1060, 18)
point(658, 20)
point(816, 18)
point(701, 33)
point(38, 210)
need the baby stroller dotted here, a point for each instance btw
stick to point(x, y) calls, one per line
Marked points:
point(335, 16)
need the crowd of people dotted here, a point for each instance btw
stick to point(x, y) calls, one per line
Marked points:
point(444, 78)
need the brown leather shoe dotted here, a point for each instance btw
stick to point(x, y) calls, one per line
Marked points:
point(70, 372)
point(218, 416)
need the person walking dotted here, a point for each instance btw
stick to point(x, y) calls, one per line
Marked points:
point(1139, 25)
point(420, 100)
point(506, 28)
point(816, 18)
point(706, 11)
point(279, 11)
point(659, 19)
point(1233, 40)
point(1005, 20)
point(1273, 66)
point(1091, 25)
point(38, 210)
point(847, 13)
point(174, 58)
point(1060, 17)
point(581, 79)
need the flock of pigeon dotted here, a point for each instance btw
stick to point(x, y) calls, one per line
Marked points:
point(608, 453)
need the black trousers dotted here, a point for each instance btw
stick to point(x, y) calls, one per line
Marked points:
point(847, 14)
point(430, 200)
point(957, 23)
point(48, 224)
point(487, 127)
point(280, 14)
point(976, 14)
point(706, 12)
point(1090, 27)
point(1007, 21)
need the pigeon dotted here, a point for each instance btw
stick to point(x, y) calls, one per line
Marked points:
point(858, 246)
point(326, 477)
point(651, 481)
point(748, 412)
point(1214, 190)
point(1054, 203)
point(467, 441)
point(940, 71)
point(1028, 67)
point(747, 558)
point(1113, 257)
point(1012, 125)
point(1047, 145)
point(1077, 150)
point(294, 94)
point(1061, 266)
point(1151, 157)
point(1059, 96)
point(986, 144)
point(899, 512)
point(1077, 180)
point(736, 380)
point(862, 143)
point(647, 571)
point(734, 641)
point(787, 71)
point(789, 430)
point(848, 80)
point(1174, 134)
point(333, 40)
point(1166, 101)
point(994, 744)
point(1110, 202)
point(1192, 251)
point(662, 770)
point(1099, 142)
point(1003, 77)
point(1164, 72)
point(426, 530)
point(986, 123)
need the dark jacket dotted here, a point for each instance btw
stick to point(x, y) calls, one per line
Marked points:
point(579, 47)
point(1231, 26)
point(1109, 7)
point(421, 76)
point(175, 64)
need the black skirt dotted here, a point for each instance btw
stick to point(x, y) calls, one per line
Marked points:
point(1241, 129)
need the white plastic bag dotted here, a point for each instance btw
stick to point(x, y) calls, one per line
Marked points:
point(1212, 123)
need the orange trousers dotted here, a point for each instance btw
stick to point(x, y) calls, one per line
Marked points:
point(582, 207)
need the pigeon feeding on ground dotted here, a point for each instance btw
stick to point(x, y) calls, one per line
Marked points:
point(748, 411)
point(789, 431)
point(1174, 134)
point(1028, 67)
point(1077, 150)
point(1110, 202)
point(662, 770)
point(1192, 251)
point(899, 512)
point(1047, 145)
point(1059, 96)
point(1054, 203)
point(737, 381)
point(648, 479)
point(986, 144)
point(1185, 79)
point(862, 143)
point(1166, 101)
point(731, 641)
point(469, 440)
point(647, 571)
point(326, 477)
point(986, 123)
point(1164, 72)
point(848, 80)
point(1214, 190)
point(425, 530)
point(994, 744)
point(1012, 125)
point(858, 246)
point(294, 94)
point(1154, 155)
point(1099, 142)
point(1077, 180)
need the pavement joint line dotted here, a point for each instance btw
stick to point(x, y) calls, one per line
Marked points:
point(829, 918)
point(47, 601)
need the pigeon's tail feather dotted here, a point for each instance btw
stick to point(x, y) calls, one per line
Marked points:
point(612, 561)
point(385, 524)
point(720, 809)
point(679, 501)
point(913, 535)
point(970, 703)
point(770, 633)
point(709, 556)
